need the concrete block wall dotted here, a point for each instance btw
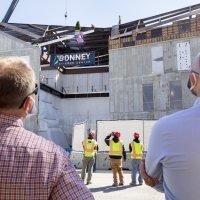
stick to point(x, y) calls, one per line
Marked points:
point(75, 83)
point(84, 109)
point(50, 120)
point(76, 158)
point(53, 78)
point(103, 163)
point(77, 110)
point(131, 67)
point(11, 46)
point(102, 160)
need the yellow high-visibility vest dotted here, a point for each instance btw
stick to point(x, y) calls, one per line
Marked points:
point(115, 148)
point(137, 149)
point(89, 147)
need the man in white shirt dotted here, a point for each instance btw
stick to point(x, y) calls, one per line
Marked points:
point(173, 158)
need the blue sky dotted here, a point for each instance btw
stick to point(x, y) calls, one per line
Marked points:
point(101, 13)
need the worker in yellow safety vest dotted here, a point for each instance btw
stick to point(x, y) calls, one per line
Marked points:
point(116, 153)
point(90, 147)
point(136, 149)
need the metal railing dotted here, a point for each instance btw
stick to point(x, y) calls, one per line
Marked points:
point(85, 89)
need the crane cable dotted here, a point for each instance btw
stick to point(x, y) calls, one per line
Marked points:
point(66, 11)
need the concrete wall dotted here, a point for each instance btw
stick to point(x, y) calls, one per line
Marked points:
point(84, 83)
point(76, 83)
point(84, 109)
point(52, 78)
point(102, 160)
point(77, 110)
point(50, 120)
point(10, 46)
point(63, 113)
point(131, 67)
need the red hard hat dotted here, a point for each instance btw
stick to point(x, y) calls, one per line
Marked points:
point(92, 133)
point(117, 134)
point(136, 135)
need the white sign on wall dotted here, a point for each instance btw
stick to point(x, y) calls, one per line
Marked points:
point(157, 60)
point(183, 56)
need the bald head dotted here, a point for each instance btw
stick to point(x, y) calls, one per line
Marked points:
point(17, 80)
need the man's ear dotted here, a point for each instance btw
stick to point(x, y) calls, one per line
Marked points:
point(27, 103)
point(193, 80)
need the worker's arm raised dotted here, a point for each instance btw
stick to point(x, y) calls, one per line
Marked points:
point(107, 139)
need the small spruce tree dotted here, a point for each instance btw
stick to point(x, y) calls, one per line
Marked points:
point(78, 26)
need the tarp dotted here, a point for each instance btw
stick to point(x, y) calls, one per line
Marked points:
point(127, 128)
point(79, 131)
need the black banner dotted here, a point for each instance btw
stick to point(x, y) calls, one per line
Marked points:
point(73, 59)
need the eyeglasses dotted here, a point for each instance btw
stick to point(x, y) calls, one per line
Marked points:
point(35, 91)
point(192, 71)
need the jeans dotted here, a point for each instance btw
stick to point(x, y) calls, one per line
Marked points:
point(88, 163)
point(136, 169)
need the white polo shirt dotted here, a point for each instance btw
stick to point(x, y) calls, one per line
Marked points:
point(174, 154)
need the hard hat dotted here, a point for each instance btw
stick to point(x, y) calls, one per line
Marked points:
point(117, 134)
point(92, 133)
point(136, 135)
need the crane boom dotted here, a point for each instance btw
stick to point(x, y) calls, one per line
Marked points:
point(10, 11)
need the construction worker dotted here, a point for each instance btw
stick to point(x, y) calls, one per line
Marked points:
point(90, 147)
point(136, 149)
point(115, 153)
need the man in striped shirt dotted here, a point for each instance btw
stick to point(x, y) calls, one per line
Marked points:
point(30, 166)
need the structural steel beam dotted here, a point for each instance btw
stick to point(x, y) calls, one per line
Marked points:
point(158, 20)
point(20, 30)
point(62, 39)
point(161, 22)
point(10, 11)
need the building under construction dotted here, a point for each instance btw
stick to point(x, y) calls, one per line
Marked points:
point(132, 71)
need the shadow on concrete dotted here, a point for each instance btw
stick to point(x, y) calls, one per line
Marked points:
point(108, 189)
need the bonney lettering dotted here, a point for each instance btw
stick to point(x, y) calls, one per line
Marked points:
point(74, 57)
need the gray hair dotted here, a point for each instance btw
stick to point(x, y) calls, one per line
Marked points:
point(17, 81)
